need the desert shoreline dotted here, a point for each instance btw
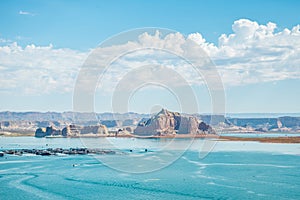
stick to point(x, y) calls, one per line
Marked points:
point(280, 139)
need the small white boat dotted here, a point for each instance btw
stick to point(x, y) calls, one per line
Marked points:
point(54, 136)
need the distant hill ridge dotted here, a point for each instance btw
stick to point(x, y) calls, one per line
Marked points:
point(29, 121)
point(66, 116)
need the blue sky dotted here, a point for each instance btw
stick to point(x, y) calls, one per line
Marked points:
point(84, 24)
point(79, 26)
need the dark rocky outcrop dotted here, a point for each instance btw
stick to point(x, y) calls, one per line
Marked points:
point(40, 132)
point(56, 151)
point(49, 131)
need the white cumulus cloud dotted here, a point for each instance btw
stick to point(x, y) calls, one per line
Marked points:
point(256, 53)
point(252, 53)
point(38, 69)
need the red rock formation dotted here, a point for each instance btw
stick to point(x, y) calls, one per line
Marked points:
point(166, 122)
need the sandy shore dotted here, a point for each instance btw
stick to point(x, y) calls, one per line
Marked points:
point(203, 136)
point(179, 136)
point(231, 138)
point(15, 134)
point(267, 140)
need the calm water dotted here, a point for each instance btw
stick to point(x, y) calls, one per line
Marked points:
point(232, 170)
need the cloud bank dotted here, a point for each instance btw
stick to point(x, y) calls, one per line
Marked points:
point(38, 69)
point(253, 53)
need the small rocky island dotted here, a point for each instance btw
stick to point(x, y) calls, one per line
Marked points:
point(56, 151)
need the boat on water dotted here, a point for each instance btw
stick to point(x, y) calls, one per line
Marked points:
point(54, 136)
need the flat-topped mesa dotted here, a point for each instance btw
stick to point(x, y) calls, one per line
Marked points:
point(168, 123)
point(72, 131)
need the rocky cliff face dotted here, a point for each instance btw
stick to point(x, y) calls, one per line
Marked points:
point(29, 126)
point(289, 122)
point(74, 130)
point(284, 124)
point(166, 122)
point(71, 131)
point(49, 131)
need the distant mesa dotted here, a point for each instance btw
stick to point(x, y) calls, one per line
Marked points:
point(72, 131)
point(164, 123)
point(73, 124)
point(171, 123)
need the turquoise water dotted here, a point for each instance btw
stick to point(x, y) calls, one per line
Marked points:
point(232, 170)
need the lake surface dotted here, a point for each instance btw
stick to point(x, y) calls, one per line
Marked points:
point(170, 169)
